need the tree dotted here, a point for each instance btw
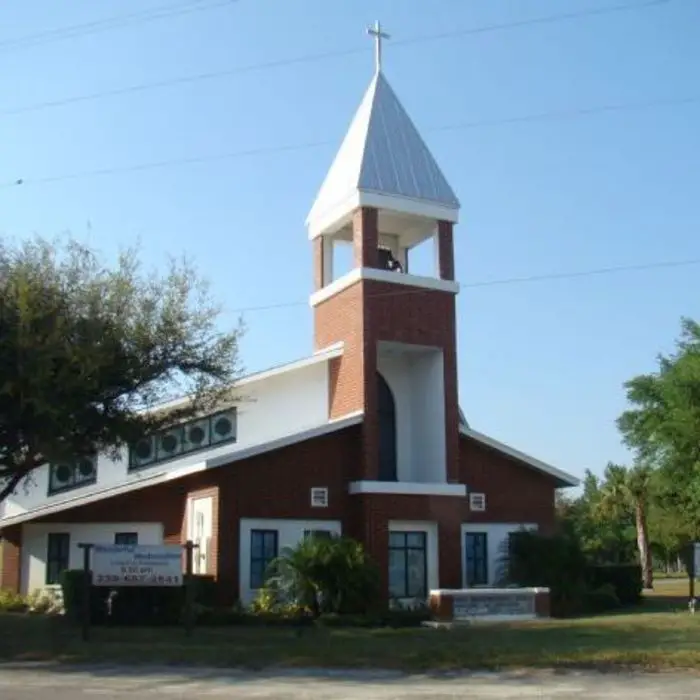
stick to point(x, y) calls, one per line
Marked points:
point(87, 352)
point(324, 575)
point(662, 426)
point(628, 490)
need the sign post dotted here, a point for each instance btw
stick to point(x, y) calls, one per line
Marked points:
point(693, 568)
point(189, 590)
point(87, 591)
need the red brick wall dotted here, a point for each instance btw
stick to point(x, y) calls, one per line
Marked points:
point(369, 312)
point(515, 493)
point(368, 521)
point(272, 485)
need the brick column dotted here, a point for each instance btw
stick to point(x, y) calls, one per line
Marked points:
point(10, 565)
point(446, 254)
point(450, 541)
point(365, 237)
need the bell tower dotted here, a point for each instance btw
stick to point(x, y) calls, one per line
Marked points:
point(383, 196)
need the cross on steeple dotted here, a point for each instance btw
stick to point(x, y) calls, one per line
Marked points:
point(378, 34)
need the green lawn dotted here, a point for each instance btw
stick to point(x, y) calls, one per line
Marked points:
point(660, 635)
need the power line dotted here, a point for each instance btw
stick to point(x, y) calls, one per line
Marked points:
point(115, 22)
point(507, 281)
point(313, 58)
point(268, 150)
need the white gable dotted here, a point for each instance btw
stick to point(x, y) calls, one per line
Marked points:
point(382, 154)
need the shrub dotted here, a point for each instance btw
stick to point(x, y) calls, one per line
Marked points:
point(322, 576)
point(46, 601)
point(600, 599)
point(132, 605)
point(625, 580)
point(555, 562)
point(12, 602)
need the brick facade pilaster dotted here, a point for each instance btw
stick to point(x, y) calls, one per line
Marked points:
point(365, 235)
point(446, 255)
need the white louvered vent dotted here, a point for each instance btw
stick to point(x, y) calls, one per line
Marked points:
point(319, 497)
point(477, 502)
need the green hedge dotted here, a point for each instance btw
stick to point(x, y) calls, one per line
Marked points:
point(625, 580)
point(132, 605)
point(576, 586)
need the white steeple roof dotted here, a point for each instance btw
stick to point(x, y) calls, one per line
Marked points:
point(383, 162)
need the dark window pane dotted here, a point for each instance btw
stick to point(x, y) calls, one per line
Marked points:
point(263, 549)
point(415, 539)
point(57, 556)
point(397, 574)
point(126, 538)
point(408, 573)
point(416, 573)
point(257, 571)
point(397, 539)
point(320, 534)
point(476, 559)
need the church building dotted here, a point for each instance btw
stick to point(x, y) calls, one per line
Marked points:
point(364, 437)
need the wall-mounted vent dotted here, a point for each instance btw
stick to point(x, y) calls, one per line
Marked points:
point(477, 502)
point(319, 497)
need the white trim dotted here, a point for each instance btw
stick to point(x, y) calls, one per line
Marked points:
point(558, 474)
point(319, 223)
point(407, 488)
point(323, 355)
point(373, 274)
point(161, 477)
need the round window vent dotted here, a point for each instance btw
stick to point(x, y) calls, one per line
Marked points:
point(223, 426)
point(86, 468)
point(63, 473)
point(169, 443)
point(196, 435)
point(143, 449)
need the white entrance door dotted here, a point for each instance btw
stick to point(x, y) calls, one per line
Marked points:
point(200, 531)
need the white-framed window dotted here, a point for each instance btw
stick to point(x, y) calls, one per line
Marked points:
point(477, 502)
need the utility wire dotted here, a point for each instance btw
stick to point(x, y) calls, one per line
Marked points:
point(507, 281)
point(116, 22)
point(313, 58)
point(268, 150)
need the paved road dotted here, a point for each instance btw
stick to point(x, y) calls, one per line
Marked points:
point(111, 683)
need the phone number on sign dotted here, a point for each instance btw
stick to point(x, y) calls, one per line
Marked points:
point(148, 579)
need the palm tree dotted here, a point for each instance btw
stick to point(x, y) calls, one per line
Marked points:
point(627, 490)
point(325, 575)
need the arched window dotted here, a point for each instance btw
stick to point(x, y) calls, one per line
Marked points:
point(387, 430)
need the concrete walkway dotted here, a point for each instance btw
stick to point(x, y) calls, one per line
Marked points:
point(45, 682)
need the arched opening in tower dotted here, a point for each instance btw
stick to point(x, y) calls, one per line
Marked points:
point(387, 431)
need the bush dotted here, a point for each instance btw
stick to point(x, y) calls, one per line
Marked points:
point(133, 605)
point(600, 600)
point(12, 602)
point(555, 562)
point(625, 580)
point(322, 576)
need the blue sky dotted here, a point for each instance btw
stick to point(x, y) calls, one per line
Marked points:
point(541, 364)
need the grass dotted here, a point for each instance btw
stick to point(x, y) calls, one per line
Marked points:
point(659, 635)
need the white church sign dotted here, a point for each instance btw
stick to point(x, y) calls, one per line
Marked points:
point(136, 565)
